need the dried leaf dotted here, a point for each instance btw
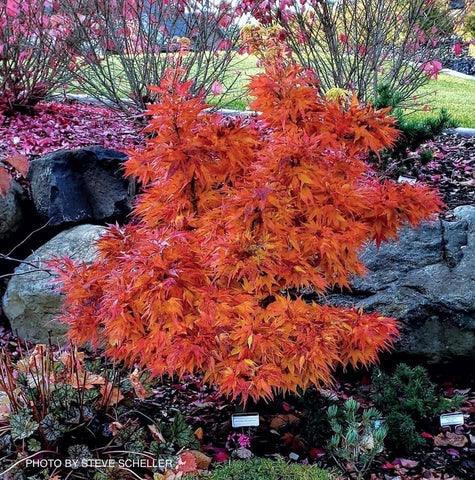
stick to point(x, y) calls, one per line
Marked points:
point(4, 406)
point(449, 439)
point(406, 463)
point(115, 427)
point(111, 394)
point(187, 463)
point(139, 389)
point(202, 460)
point(19, 162)
point(156, 434)
point(5, 181)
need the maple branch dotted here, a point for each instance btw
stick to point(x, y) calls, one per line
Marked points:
point(194, 197)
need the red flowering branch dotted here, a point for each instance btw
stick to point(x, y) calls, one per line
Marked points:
point(33, 60)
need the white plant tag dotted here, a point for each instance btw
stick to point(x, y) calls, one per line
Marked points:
point(451, 419)
point(403, 179)
point(240, 420)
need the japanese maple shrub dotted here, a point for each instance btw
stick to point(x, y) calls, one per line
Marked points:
point(234, 215)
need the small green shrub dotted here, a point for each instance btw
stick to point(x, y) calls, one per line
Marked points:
point(402, 432)
point(414, 132)
point(316, 428)
point(409, 401)
point(358, 437)
point(266, 469)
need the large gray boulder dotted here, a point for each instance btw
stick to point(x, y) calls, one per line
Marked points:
point(11, 211)
point(77, 186)
point(32, 301)
point(426, 279)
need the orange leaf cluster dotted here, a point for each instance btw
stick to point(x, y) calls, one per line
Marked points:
point(11, 167)
point(235, 217)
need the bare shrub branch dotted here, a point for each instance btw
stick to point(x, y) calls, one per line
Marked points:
point(123, 47)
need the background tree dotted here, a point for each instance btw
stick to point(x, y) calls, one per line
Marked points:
point(33, 60)
point(363, 45)
point(123, 46)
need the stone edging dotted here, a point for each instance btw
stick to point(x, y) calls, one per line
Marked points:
point(454, 73)
point(463, 132)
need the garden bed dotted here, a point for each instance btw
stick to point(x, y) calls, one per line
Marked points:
point(65, 125)
point(291, 428)
point(447, 164)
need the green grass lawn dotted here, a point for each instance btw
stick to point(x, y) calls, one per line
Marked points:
point(454, 94)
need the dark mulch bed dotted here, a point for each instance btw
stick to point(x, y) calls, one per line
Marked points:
point(450, 169)
point(464, 65)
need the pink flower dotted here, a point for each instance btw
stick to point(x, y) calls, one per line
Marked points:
point(217, 88)
point(458, 49)
point(343, 38)
point(432, 68)
point(13, 8)
point(244, 441)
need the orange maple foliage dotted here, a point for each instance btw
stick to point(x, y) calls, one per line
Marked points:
point(10, 167)
point(235, 217)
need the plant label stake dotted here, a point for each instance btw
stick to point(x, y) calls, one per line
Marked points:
point(241, 420)
point(403, 179)
point(452, 419)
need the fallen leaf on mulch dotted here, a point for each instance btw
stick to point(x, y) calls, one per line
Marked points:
point(115, 427)
point(221, 456)
point(4, 406)
point(156, 434)
point(453, 453)
point(87, 380)
point(406, 463)
point(199, 434)
point(450, 439)
point(111, 394)
point(294, 442)
point(139, 389)
point(281, 421)
point(316, 452)
point(187, 463)
point(431, 475)
point(328, 394)
point(202, 461)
